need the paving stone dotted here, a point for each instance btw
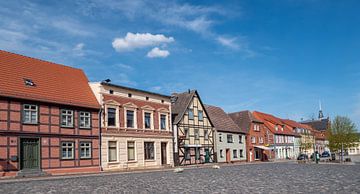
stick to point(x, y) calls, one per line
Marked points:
point(253, 178)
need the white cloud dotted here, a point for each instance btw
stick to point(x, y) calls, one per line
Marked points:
point(124, 66)
point(71, 26)
point(156, 52)
point(133, 41)
point(228, 42)
point(78, 49)
point(156, 88)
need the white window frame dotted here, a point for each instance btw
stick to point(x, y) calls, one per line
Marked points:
point(82, 114)
point(67, 114)
point(206, 134)
point(30, 110)
point(67, 151)
point(166, 121)
point(117, 111)
point(89, 146)
point(235, 153)
point(240, 139)
point(227, 138)
point(202, 115)
point(261, 140)
point(117, 151)
point(151, 119)
point(193, 116)
point(127, 151)
point(196, 134)
point(134, 119)
point(253, 139)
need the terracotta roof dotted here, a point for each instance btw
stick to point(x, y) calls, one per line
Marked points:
point(243, 119)
point(222, 121)
point(53, 83)
point(271, 121)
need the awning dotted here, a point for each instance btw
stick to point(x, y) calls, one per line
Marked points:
point(263, 147)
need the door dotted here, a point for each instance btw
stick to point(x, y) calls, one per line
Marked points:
point(207, 155)
point(29, 153)
point(228, 155)
point(163, 153)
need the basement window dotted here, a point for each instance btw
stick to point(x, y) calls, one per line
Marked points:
point(29, 82)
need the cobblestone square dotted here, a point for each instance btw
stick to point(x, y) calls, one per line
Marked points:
point(249, 178)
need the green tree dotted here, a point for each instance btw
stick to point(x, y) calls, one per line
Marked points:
point(342, 133)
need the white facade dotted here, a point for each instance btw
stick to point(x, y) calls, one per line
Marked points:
point(230, 147)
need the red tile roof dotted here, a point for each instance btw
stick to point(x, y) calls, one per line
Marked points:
point(54, 83)
point(221, 120)
point(271, 121)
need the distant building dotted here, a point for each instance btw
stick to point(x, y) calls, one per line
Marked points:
point(230, 141)
point(193, 130)
point(257, 142)
point(281, 136)
point(136, 128)
point(48, 118)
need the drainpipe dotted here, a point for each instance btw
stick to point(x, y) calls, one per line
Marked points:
point(100, 130)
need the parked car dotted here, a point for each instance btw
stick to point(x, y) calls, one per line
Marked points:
point(325, 154)
point(302, 157)
point(345, 153)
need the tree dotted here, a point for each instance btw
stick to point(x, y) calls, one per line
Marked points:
point(342, 133)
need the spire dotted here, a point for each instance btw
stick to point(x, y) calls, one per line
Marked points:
point(321, 115)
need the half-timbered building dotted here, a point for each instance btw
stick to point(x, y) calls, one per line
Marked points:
point(136, 128)
point(193, 130)
point(48, 118)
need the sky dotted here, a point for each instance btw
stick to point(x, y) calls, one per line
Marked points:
point(280, 57)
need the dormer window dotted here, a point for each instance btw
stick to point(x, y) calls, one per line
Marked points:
point(111, 91)
point(276, 128)
point(29, 82)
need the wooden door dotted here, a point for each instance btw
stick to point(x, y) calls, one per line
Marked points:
point(207, 155)
point(163, 153)
point(29, 153)
point(227, 155)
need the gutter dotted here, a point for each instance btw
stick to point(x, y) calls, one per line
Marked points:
point(100, 128)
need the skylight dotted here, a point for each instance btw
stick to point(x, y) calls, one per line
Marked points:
point(29, 82)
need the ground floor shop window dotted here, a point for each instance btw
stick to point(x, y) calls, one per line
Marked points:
point(131, 150)
point(149, 150)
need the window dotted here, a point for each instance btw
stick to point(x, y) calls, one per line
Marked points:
point(186, 130)
point(253, 139)
point(130, 118)
point(147, 120)
point(131, 150)
point(197, 153)
point(221, 154)
point(111, 112)
point(85, 149)
point(196, 133)
point(149, 150)
point(229, 138)
point(254, 127)
point(129, 95)
point(206, 134)
point(111, 91)
point(147, 98)
point(112, 147)
point(67, 118)
point(240, 139)
point(187, 153)
point(29, 82)
point(276, 128)
point(200, 115)
point(261, 140)
point(67, 150)
point(234, 153)
point(163, 122)
point(191, 114)
point(30, 114)
point(220, 137)
point(241, 153)
point(85, 119)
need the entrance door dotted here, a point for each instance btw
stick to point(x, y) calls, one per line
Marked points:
point(163, 153)
point(257, 154)
point(29, 153)
point(228, 155)
point(207, 155)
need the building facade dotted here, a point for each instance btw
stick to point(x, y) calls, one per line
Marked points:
point(48, 118)
point(136, 128)
point(257, 145)
point(281, 137)
point(193, 130)
point(230, 144)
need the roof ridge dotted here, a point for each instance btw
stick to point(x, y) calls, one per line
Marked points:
point(43, 60)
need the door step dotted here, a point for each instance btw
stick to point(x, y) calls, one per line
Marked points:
point(31, 173)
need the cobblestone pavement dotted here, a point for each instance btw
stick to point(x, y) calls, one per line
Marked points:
point(251, 178)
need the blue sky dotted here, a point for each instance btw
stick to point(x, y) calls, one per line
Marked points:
point(279, 57)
